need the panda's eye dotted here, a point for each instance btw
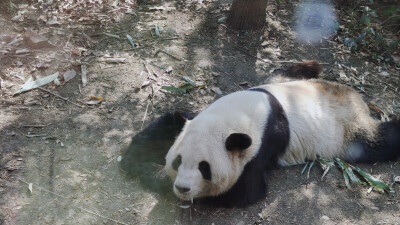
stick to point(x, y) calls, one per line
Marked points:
point(205, 170)
point(177, 162)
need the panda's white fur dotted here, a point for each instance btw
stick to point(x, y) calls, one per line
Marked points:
point(324, 119)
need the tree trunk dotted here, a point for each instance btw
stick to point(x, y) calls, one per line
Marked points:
point(247, 14)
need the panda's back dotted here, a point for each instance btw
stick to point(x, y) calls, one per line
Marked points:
point(323, 116)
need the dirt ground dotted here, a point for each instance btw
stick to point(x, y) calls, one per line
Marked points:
point(73, 163)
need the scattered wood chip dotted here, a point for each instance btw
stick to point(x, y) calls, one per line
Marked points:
point(22, 51)
point(96, 98)
point(93, 102)
point(36, 135)
point(84, 76)
point(146, 83)
point(114, 60)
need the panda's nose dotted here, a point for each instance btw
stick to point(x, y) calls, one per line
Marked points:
point(182, 189)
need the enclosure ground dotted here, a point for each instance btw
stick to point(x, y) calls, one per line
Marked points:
point(70, 152)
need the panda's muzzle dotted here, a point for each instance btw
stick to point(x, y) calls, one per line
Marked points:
point(182, 189)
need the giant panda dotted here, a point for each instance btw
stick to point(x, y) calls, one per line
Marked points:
point(221, 155)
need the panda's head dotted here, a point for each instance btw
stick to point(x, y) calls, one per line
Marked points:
point(209, 168)
point(210, 153)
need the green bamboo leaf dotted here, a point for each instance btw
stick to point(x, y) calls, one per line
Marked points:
point(157, 30)
point(130, 40)
point(326, 165)
point(304, 169)
point(346, 179)
point(309, 169)
point(376, 183)
point(222, 19)
point(186, 86)
point(342, 166)
point(353, 177)
point(174, 89)
point(187, 79)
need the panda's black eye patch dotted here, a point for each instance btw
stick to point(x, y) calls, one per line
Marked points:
point(177, 162)
point(205, 170)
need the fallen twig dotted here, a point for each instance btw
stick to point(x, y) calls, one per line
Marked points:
point(35, 126)
point(43, 189)
point(376, 108)
point(59, 96)
point(145, 114)
point(116, 221)
point(148, 69)
point(8, 102)
point(112, 35)
point(169, 54)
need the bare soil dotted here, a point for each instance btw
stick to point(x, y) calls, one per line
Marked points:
point(73, 166)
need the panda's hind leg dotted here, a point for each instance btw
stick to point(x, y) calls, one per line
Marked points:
point(384, 145)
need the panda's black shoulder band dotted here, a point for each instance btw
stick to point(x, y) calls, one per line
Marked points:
point(261, 90)
point(276, 134)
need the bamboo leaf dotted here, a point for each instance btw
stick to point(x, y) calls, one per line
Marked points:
point(186, 86)
point(130, 40)
point(309, 168)
point(187, 79)
point(346, 179)
point(342, 166)
point(30, 187)
point(326, 165)
point(222, 19)
point(157, 30)
point(304, 169)
point(353, 177)
point(29, 85)
point(376, 183)
point(174, 89)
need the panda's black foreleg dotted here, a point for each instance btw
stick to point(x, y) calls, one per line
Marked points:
point(385, 146)
point(145, 156)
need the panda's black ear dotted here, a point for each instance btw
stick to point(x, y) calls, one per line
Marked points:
point(237, 141)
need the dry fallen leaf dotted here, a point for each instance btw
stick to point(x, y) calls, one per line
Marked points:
point(69, 75)
point(30, 186)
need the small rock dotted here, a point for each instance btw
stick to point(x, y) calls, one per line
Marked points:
point(71, 212)
point(375, 208)
point(22, 51)
point(17, 18)
point(169, 69)
point(325, 218)
point(217, 90)
point(52, 22)
point(119, 158)
point(384, 73)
